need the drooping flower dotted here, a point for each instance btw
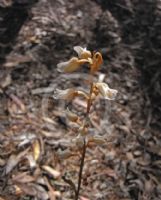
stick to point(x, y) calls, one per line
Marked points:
point(72, 65)
point(105, 91)
point(83, 53)
point(67, 94)
point(68, 66)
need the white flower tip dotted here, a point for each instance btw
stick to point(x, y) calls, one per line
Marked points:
point(111, 94)
point(78, 50)
point(61, 66)
point(82, 52)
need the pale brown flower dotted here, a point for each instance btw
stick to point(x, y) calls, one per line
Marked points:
point(105, 91)
point(67, 94)
point(72, 65)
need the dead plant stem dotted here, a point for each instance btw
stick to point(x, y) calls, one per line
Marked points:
point(84, 145)
point(81, 169)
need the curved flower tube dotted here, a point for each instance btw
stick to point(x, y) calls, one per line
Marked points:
point(72, 65)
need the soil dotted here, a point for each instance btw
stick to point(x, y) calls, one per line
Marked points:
point(35, 133)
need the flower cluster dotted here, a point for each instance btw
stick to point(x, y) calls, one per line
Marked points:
point(97, 89)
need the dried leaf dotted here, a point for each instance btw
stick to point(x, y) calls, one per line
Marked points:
point(16, 106)
point(51, 171)
point(14, 60)
point(97, 140)
point(36, 150)
point(23, 178)
point(64, 154)
point(31, 160)
point(18, 190)
point(14, 160)
point(6, 81)
point(34, 190)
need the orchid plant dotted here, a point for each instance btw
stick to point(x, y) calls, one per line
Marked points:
point(97, 89)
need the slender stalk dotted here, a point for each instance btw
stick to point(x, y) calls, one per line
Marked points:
point(84, 148)
point(89, 100)
point(84, 142)
point(81, 169)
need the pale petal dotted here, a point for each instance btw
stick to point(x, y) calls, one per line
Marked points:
point(102, 87)
point(68, 66)
point(106, 92)
point(111, 94)
point(61, 66)
point(96, 139)
point(83, 53)
point(67, 94)
point(78, 50)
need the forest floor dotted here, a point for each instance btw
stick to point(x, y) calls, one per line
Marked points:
point(35, 133)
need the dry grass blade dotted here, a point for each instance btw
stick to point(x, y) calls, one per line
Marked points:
point(36, 150)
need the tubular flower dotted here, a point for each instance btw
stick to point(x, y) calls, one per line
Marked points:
point(105, 91)
point(83, 53)
point(71, 65)
point(67, 94)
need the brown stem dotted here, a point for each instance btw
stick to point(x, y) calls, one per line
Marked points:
point(89, 100)
point(84, 144)
point(81, 169)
